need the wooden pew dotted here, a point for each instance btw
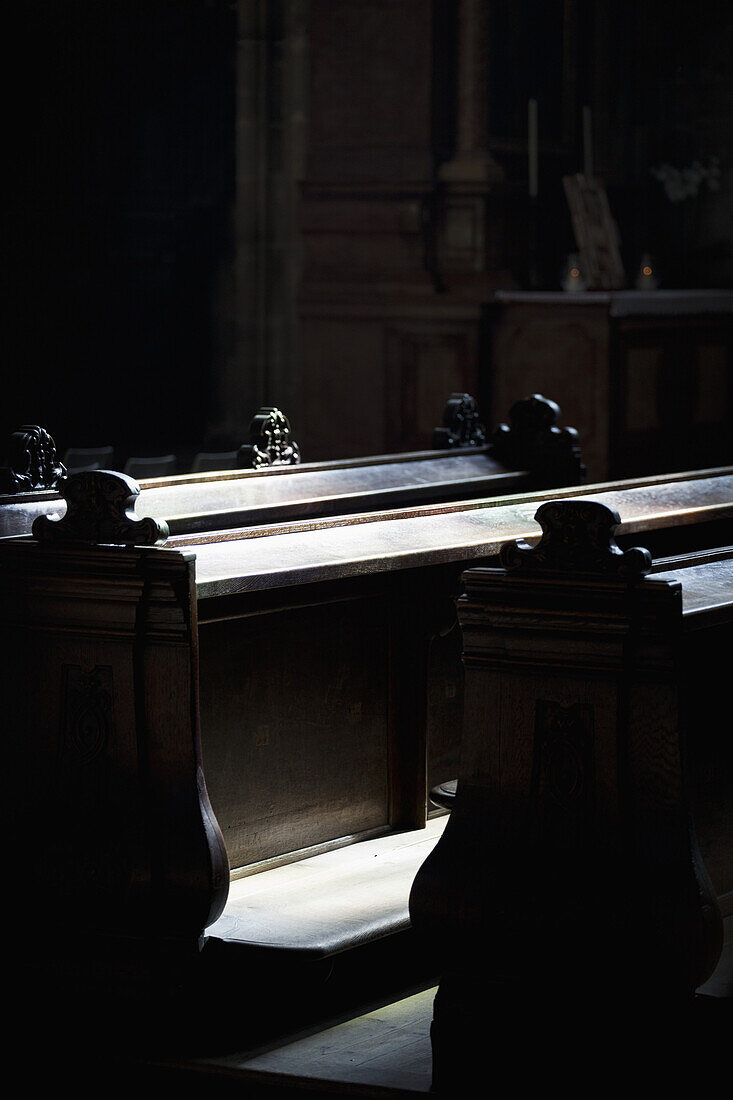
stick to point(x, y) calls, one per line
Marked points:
point(277, 674)
point(529, 452)
point(580, 885)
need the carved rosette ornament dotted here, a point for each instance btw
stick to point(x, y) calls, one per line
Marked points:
point(577, 537)
point(461, 424)
point(99, 510)
point(270, 442)
point(533, 441)
point(32, 462)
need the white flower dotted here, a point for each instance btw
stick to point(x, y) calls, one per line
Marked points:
point(683, 183)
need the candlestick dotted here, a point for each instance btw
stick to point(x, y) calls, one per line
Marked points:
point(587, 145)
point(573, 279)
point(646, 278)
point(532, 146)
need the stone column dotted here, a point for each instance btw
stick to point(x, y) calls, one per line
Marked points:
point(472, 161)
point(469, 247)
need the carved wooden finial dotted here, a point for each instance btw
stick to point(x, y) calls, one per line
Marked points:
point(270, 443)
point(461, 424)
point(577, 537)
point(32, 462)
point(533, 441)
point(99, 510)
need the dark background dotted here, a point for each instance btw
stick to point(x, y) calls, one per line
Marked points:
point(157, 154)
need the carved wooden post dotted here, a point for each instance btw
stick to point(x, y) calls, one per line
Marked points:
point(32, 462)
point(270, 441)
point(568, 876)
point(532, 440)
point(461, 424)
point(122, 864)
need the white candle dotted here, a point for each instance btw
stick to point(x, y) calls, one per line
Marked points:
point(532, 146)
point(587, 145)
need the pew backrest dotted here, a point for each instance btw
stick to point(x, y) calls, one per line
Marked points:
point(530, 451)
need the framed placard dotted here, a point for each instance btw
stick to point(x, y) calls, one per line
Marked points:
point(595, 231)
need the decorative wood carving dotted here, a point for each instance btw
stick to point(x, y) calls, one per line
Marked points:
point(461, 424)
point(577, 537)
point(563, 781)
point(100, 511)
point(532, 440)
point(270, 442)
point(87, 714)
point(33, 463)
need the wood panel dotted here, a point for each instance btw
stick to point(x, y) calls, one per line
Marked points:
point(294, 718)
point(557, 342)
point(401, 355)
point(420, 361)
point(672, 394)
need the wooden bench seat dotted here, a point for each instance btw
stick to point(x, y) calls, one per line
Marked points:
point(325, 904)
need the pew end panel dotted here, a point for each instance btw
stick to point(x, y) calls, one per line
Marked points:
point(119, 863)
point(570, 878)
